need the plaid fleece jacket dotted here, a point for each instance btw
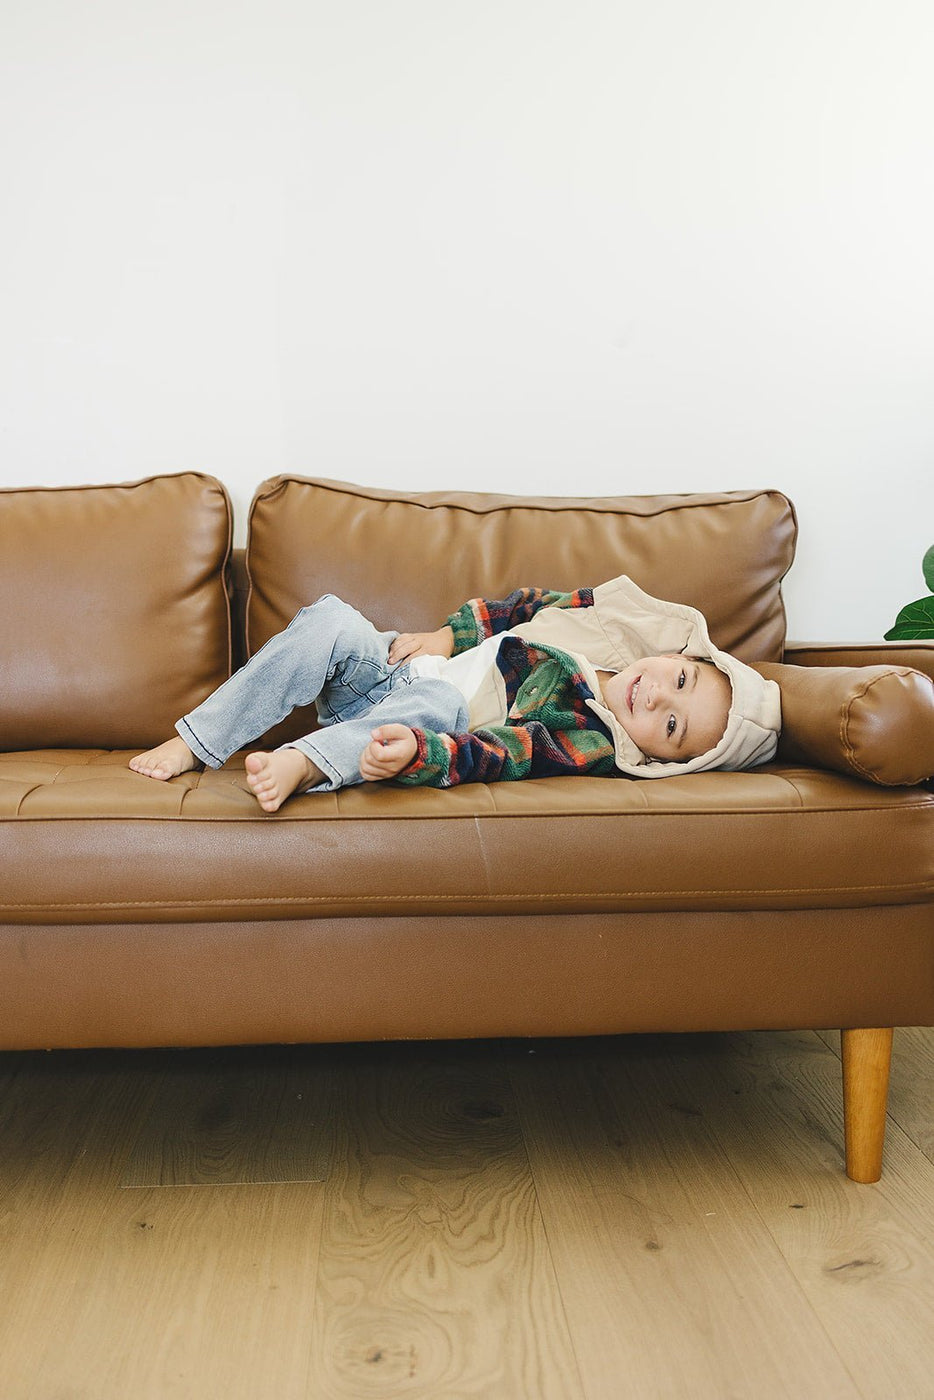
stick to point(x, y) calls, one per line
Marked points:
point(549, 731)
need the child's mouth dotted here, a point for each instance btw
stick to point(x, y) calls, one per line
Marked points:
point(632, 692)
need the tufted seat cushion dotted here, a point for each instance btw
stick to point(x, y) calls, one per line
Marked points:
point(112, 845)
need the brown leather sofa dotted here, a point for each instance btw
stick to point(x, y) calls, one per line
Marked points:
point(137, 913)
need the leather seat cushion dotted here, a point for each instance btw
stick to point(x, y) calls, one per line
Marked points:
point(87, 840)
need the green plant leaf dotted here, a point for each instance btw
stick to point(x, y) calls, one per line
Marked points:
point(927, 568)
point(914, 622)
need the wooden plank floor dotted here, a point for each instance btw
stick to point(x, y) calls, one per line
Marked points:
point(656, 1217)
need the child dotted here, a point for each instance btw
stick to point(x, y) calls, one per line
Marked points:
point(604, 681)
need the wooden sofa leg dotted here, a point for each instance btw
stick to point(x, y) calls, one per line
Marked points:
point(866, 1058)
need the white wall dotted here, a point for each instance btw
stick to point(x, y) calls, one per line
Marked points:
point(582, 247)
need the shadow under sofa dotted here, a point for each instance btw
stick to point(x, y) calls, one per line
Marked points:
point(136, 913)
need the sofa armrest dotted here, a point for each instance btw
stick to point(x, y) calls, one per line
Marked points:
point(918, 655)
point(873, 722)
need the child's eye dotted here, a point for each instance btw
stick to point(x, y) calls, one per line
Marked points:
point(671, 726)
point(681, 680)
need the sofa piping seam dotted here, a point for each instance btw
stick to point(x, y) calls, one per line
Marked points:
point(911, 887)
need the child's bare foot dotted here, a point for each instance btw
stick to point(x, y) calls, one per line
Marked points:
point(275, 776)
point(166, 761)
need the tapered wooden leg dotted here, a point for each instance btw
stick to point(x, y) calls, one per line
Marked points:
point(866, 1058)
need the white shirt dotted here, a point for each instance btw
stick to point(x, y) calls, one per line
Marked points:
point(476, 675)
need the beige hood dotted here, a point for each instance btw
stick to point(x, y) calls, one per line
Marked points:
point(626, 624)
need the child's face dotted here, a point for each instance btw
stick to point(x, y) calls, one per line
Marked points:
point(672, 707)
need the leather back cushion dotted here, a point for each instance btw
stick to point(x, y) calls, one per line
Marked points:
point(115, 617)
point(408, 560)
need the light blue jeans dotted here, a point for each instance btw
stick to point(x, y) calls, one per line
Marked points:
point(332, 656)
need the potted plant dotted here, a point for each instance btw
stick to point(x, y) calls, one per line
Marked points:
point(916, 620)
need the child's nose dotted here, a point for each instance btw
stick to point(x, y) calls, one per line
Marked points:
point(656, 694)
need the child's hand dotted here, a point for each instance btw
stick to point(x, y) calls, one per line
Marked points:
point(392, 748)
point(409, 644)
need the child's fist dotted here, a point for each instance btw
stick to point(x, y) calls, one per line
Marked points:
point(392, 748)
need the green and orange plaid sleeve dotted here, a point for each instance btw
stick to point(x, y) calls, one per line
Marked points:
point(507, 753)
point(481, 617)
